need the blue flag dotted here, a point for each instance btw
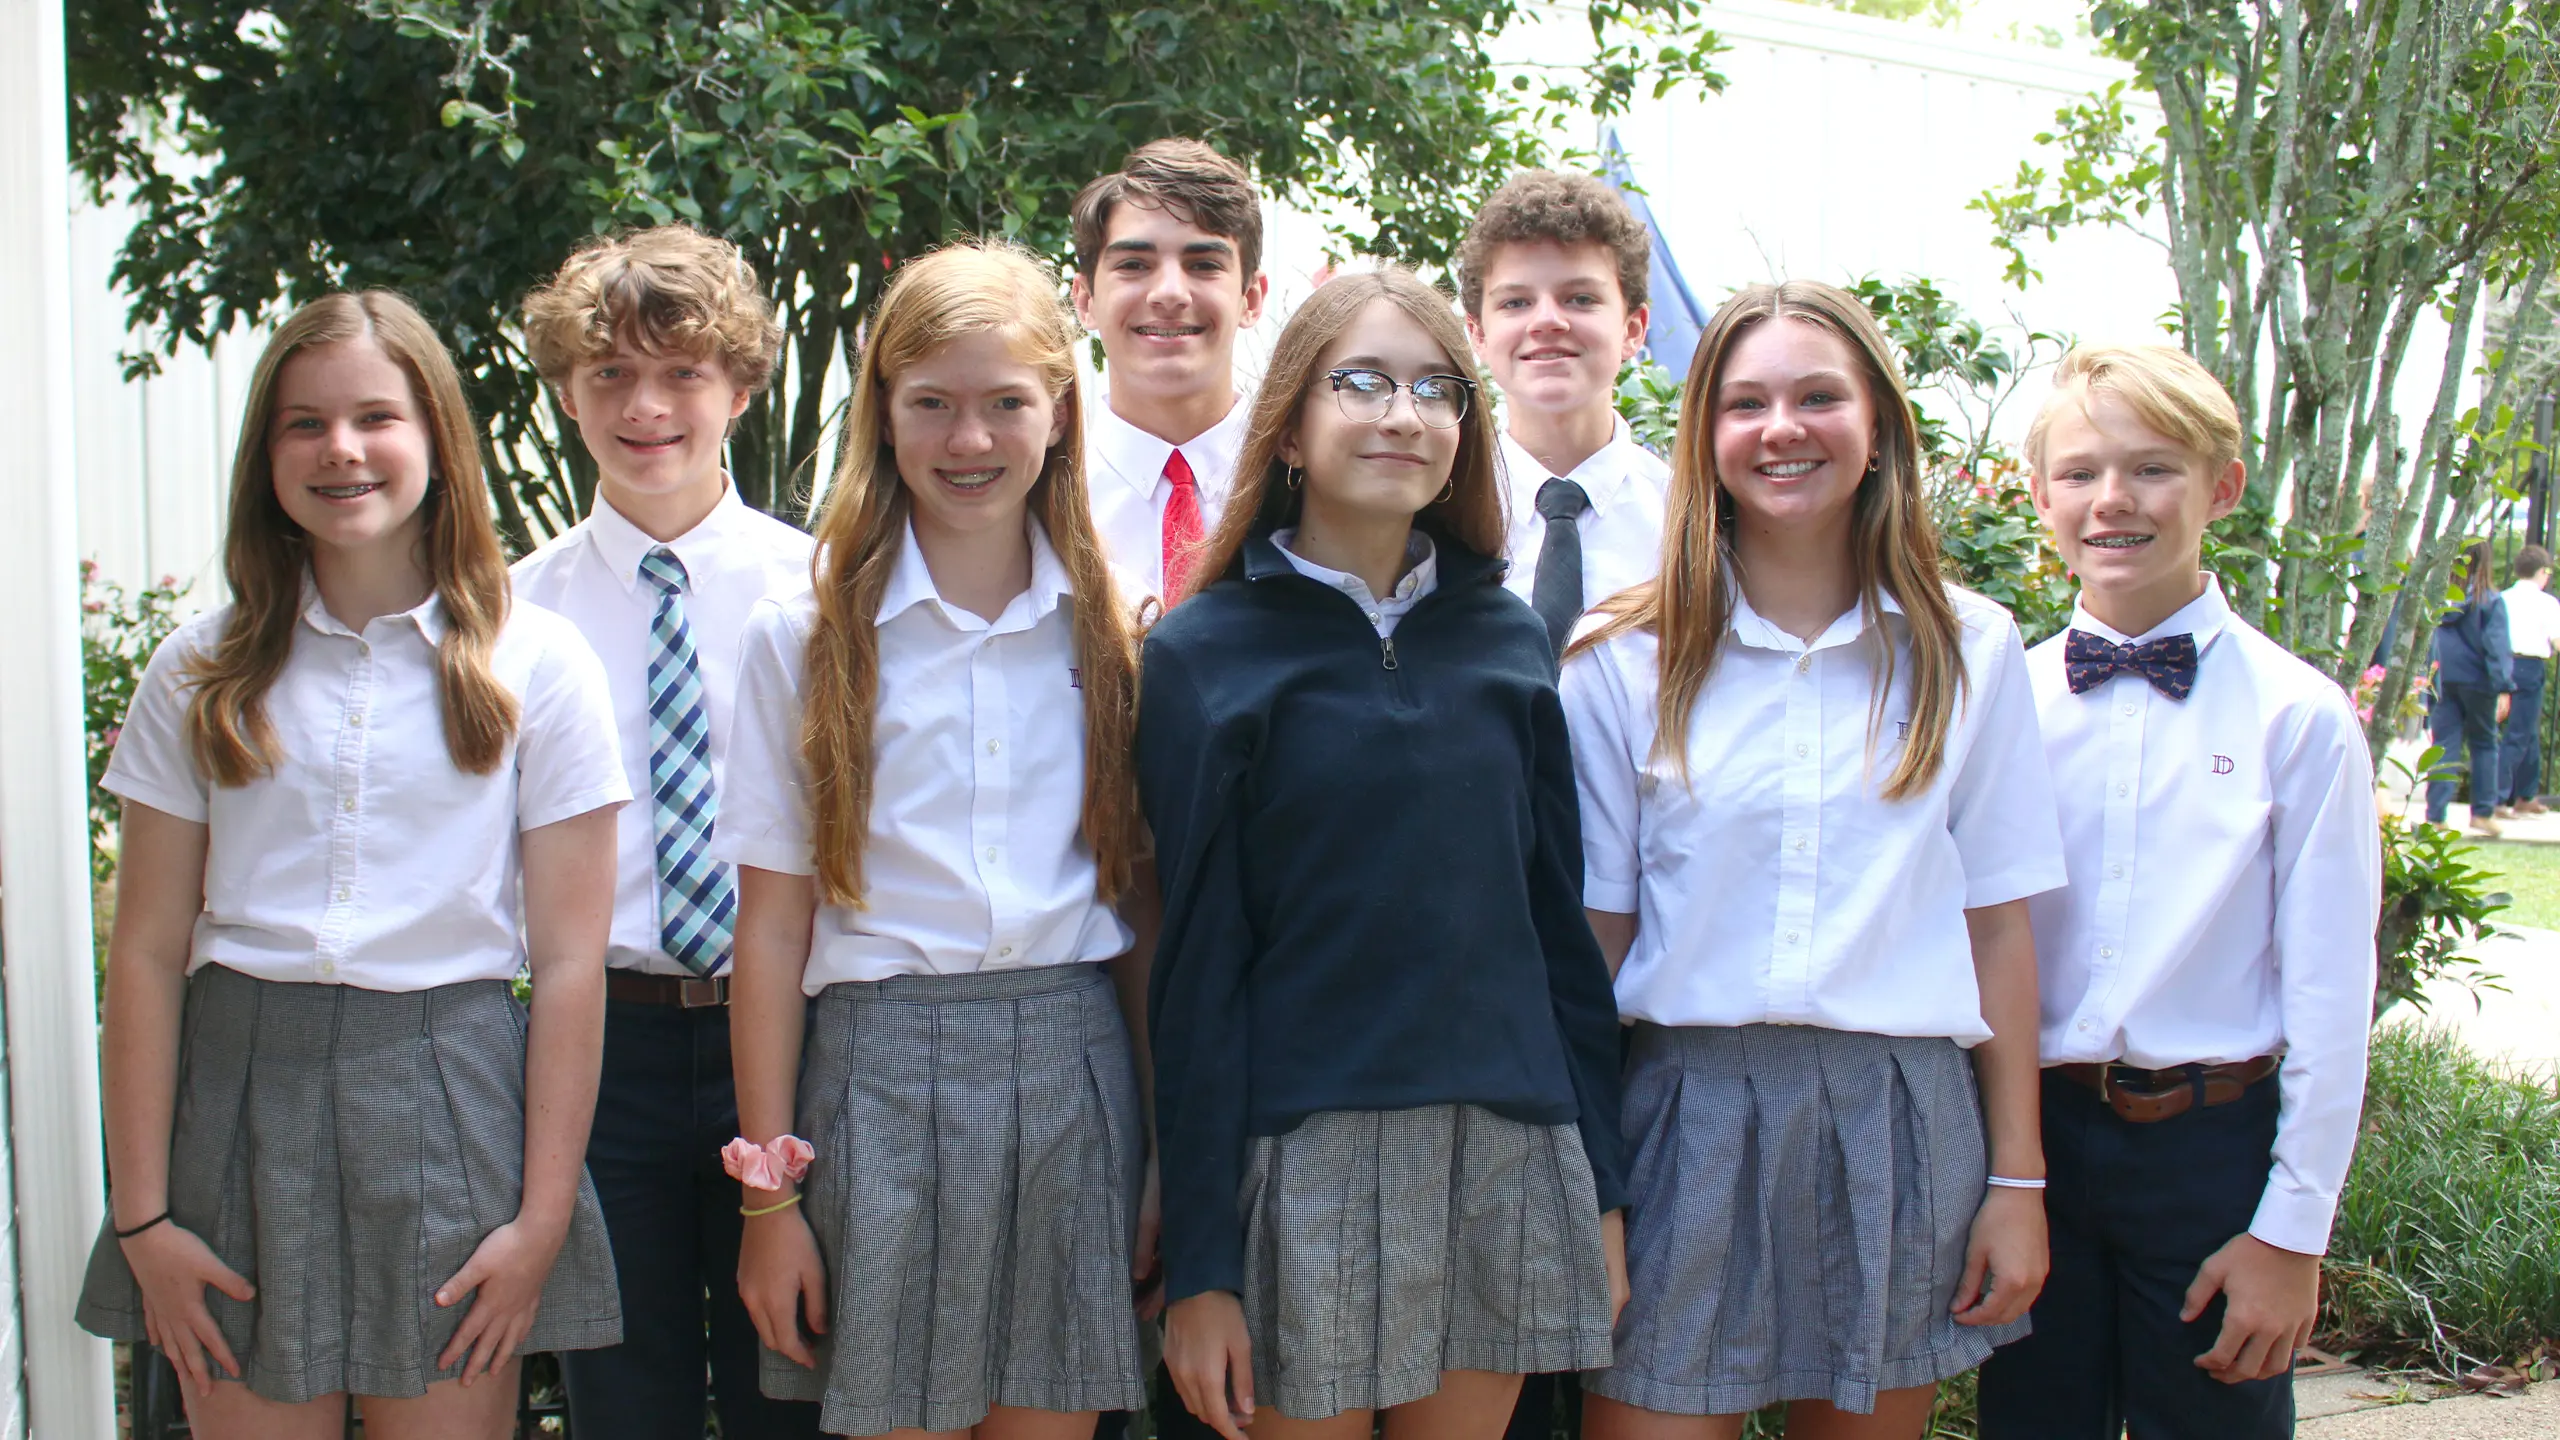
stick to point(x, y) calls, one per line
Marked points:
point(1678, 319)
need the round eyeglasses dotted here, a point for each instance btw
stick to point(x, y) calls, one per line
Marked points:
point(1367, 395)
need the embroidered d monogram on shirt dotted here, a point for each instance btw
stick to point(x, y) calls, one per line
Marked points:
point(697, 896)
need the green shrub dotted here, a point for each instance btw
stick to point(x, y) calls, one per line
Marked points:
point(2435, 904)
point(2444, 1252)
point(118, 632)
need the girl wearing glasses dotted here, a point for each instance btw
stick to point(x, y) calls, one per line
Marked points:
point(1385, 1048)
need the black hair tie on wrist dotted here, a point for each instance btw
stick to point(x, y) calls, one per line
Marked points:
point(145, 1225)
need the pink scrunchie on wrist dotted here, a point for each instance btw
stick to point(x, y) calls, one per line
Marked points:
point(766, 1167)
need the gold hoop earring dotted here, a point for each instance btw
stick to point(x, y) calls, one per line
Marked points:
point(1446, 491)
point(1294, 476)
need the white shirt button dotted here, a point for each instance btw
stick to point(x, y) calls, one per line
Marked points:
point(355, 718)
point(326, 966)
point(2115, 872)
point(1002, 951)
point(993, 746)
point(2084, 1024)
point(1348, 583)
point(1373, 617)
point(2106, 952)
point(1800, 752)
point(2121, 791)
point(1791, 937)
point(1799, 843)
point(2128, 709)
point(339, 894)
point(348, 804)
point(991, 852)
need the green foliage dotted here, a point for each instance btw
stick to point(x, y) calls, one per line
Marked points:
point(118, 632)
point(1649, 399)
point(469, 144)
point(1995, 545)
point(2442, 1253)
point(2435, 902)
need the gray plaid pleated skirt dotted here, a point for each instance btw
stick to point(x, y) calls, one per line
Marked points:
point(346, 1150)
point(975, 1198)
point(1801, 1202)
point(1383, 1247)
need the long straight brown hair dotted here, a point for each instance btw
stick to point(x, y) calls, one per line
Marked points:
point(1893, 547)
point(1263, 500)
point(959, 290)
point(265, 554)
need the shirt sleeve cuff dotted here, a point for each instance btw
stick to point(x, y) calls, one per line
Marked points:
point(777, 855)
point(1615, 896)
point(169, 800)
point(2296, 1222)
point(2015, 883)
point(594, 798)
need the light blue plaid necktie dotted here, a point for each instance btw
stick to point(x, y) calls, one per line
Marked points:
point(697, 897)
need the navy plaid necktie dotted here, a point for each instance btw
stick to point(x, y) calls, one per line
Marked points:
point(2169, 662)
point(697, 896)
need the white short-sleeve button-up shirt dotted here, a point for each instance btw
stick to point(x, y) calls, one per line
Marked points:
point(975, 859)
point(1775, 883)
point(365, 857)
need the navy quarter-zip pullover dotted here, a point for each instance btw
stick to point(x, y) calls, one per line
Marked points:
point(1372, 869)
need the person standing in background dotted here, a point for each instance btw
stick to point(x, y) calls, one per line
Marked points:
point(2475, 678)
point(1553, 277)
point(1168, 274)
point(2533, 625)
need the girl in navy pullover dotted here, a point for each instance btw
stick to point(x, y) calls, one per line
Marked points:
point(1385, 1045)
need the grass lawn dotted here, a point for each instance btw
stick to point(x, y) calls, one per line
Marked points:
point(2531, 874)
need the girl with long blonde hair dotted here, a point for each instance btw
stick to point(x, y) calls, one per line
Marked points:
point(1813, 804)
point(1386, 1058)
point(929, 803)
point(324, 1104)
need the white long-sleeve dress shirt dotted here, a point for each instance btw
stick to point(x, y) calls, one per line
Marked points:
point(2226, 873)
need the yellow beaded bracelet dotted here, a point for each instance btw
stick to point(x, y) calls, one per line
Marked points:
point(769, 1209)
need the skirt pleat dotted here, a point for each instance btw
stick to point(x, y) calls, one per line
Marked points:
point(974, 1197)
point(1383, 1248)
point(1802, 1202)
point(346, 1151)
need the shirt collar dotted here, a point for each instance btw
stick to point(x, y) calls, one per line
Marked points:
point(427, 617)
point(1602, 475)
point(1421, 576)
point(911, 582)
point(2204, 617)
point(1137, 458)
point(622, 545)
point(1757, 631)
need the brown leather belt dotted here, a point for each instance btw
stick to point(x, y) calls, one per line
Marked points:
point(2146, 1097)
point(641, 989)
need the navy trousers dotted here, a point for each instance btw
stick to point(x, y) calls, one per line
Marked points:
point(2465, 718)
point(665, 1108)
point(2520, 739)
point(2133, 1211)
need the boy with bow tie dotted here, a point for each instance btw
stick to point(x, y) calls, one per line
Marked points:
point(2207, 976)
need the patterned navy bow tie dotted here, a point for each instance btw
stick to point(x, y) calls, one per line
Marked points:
point(2169, 662)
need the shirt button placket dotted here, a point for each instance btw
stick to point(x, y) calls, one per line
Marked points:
point(1791, 977)
point(346, 831)
point(991, 803)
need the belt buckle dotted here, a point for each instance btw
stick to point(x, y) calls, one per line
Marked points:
point(700, 994)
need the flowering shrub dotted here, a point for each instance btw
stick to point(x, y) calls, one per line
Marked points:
point(118, 632)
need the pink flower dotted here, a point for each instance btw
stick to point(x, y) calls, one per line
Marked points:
point(113, 733)
point(2373, 674)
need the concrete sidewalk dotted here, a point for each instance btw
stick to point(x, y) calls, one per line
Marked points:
point(2358, 1406)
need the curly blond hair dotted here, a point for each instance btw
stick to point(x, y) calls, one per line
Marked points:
point(668, 289)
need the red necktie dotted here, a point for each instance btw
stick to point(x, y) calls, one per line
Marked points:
point(1182, 535)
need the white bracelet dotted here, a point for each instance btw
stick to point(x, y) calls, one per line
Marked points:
point(2006, 1183)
